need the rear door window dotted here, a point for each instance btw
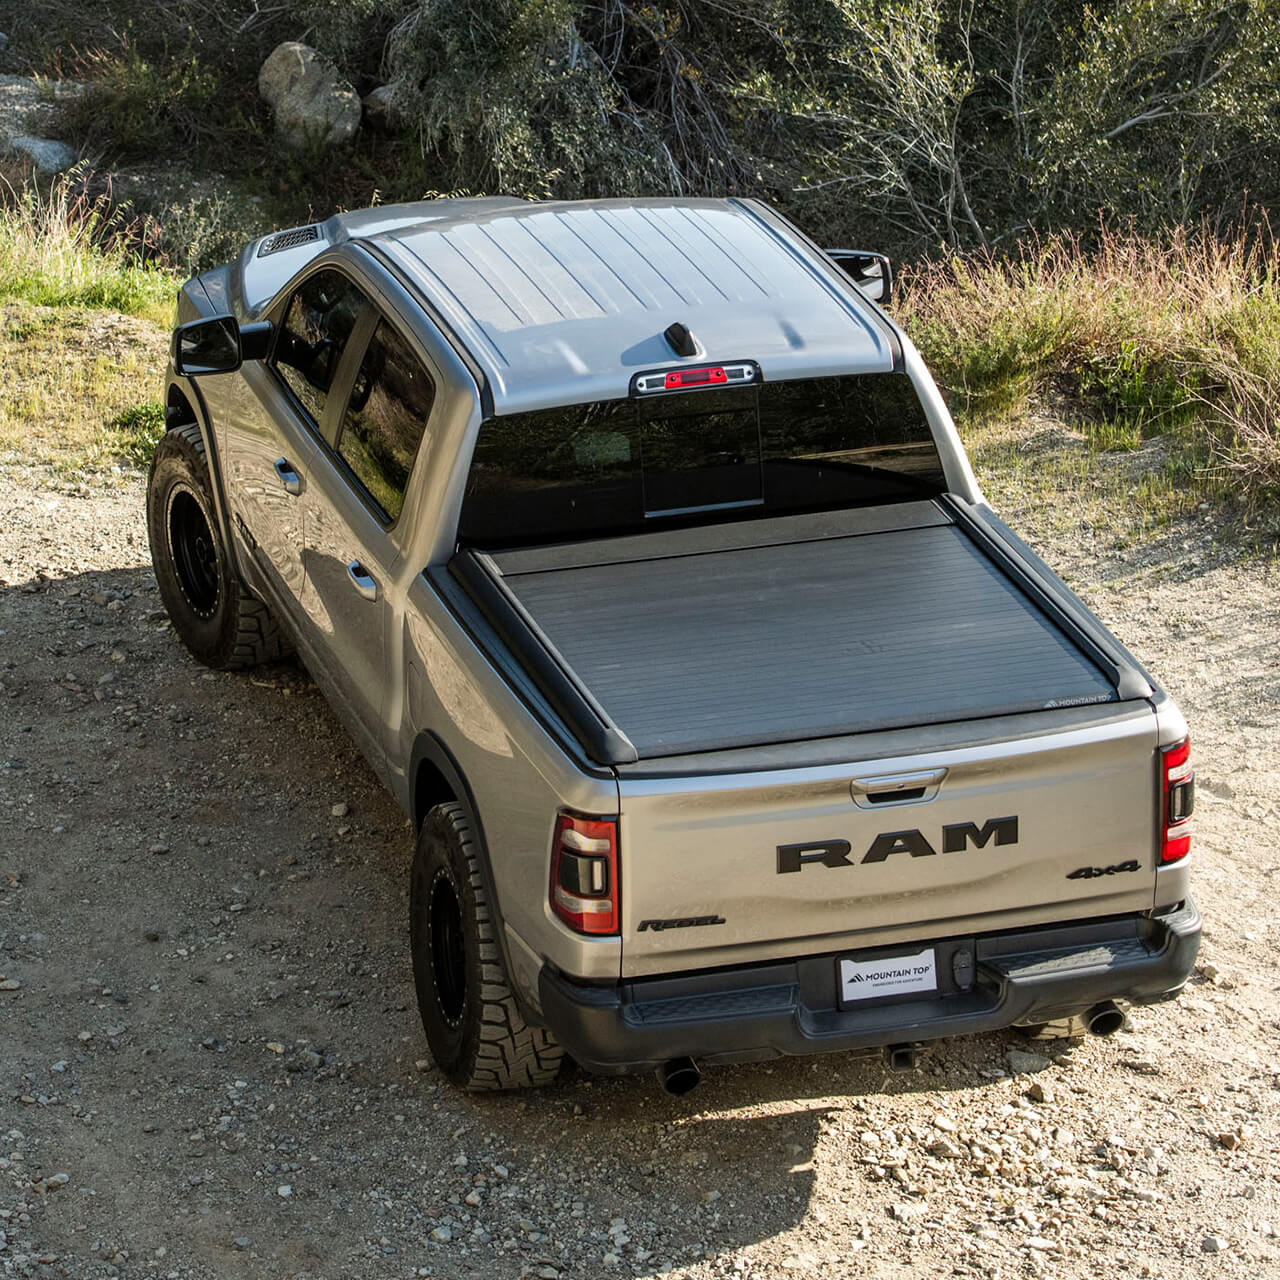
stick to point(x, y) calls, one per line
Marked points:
point(386, 418)
point(317, 326)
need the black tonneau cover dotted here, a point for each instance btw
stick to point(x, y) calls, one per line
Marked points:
point(787, 630)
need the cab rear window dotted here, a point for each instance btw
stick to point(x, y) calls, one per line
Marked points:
point(622, 466)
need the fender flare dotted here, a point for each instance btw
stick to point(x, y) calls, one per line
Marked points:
point(190, 392)
point(430, 749)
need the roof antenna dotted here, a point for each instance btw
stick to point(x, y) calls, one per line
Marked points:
point(680, 340)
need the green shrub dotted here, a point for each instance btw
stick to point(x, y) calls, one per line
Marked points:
point(133, 108)
point(134, 434)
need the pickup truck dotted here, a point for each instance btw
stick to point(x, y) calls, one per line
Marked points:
point(636, 548)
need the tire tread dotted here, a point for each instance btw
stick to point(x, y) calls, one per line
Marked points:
point(509, 1052)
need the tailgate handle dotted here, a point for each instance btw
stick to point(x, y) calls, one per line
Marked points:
point(896, 788)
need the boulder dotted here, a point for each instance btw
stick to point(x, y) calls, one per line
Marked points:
point(312, 104)
point(379, 105)
point(47, 155)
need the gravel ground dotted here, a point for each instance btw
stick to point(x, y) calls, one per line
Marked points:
point(211, 1063)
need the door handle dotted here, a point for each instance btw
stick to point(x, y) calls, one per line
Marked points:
point(896, 788)
point(291, 480)
point(362, 580)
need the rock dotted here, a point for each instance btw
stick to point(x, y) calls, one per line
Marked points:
point(1230, 1140)
point(10, 984)
point(312, 105)
point(1040, 1093)
point(340, 810)
point(441, 1235)
point(284, 1191)
point(47, 155)
point(944, 1149)
point(548, 1273)
point(241, 1242)
point(902, 1212)
point(1212, 1244)
point(1022, 1063)
point(158, 849)
point(379, 104)
point(57, 1181)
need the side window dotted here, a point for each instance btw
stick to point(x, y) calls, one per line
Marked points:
point(316, 329)
point(386, 417)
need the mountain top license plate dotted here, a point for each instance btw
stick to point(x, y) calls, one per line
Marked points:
point(887, 977)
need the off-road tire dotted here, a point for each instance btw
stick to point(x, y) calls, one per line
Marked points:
point(474, 1028)
point(213, 613)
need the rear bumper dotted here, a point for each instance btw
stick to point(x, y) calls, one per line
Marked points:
point(762, 1011)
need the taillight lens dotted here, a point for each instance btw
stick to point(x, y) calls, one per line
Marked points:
point(584, 873)
point(1179, 801)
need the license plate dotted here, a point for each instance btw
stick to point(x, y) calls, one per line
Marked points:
point(886, 976)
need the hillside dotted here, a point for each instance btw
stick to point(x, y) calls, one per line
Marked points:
point(915, 127)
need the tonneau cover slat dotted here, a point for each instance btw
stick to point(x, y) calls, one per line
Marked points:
point(758, 644)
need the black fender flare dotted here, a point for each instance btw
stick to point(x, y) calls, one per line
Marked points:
point(429, 748)
point(190, 392)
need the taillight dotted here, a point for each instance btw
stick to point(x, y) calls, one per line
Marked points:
point(584, 873)
point(1179, 801)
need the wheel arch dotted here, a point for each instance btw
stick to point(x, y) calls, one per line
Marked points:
point(436, 777)
point(185, 406)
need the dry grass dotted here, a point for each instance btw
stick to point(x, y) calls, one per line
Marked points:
point(62, 247)
point(81, 387)
point(1133, 340)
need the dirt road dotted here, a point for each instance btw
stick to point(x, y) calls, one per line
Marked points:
point(211, 1063)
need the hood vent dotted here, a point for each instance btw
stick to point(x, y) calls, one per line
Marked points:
point(289, 239)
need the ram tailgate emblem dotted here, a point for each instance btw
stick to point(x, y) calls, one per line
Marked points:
point(956, 838)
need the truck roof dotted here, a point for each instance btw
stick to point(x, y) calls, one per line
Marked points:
point(564, 302)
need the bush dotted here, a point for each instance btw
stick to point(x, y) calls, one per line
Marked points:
point(1140, 337)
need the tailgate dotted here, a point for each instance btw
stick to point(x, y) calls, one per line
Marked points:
point(1047, 828)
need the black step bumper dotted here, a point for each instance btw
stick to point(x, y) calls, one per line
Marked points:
point(761, 1011)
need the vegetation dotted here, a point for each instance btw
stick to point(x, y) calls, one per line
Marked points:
point(83, 328)
point(61, 247)
point(1134, 339)
point(1063, 177)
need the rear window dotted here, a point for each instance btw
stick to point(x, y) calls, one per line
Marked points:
point(622, 466)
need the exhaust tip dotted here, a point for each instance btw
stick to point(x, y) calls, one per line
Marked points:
point(679, 1076)
point(900, 1057)
point(1104, 1019)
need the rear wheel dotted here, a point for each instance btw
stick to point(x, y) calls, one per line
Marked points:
point(212, 612)
point(474, 1027)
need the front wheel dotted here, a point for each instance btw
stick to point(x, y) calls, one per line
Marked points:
point(212, 612)
point(474, 1027)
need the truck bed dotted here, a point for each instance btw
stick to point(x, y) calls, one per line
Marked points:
point(799, 628)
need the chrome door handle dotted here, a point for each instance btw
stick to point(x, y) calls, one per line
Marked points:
point(362, 580)
point(291, 480)
point(896, 788)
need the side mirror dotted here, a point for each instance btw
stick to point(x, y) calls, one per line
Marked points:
point(219, 345)
point(871, 272)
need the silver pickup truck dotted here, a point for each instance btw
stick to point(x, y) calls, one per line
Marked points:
point(635, 546)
